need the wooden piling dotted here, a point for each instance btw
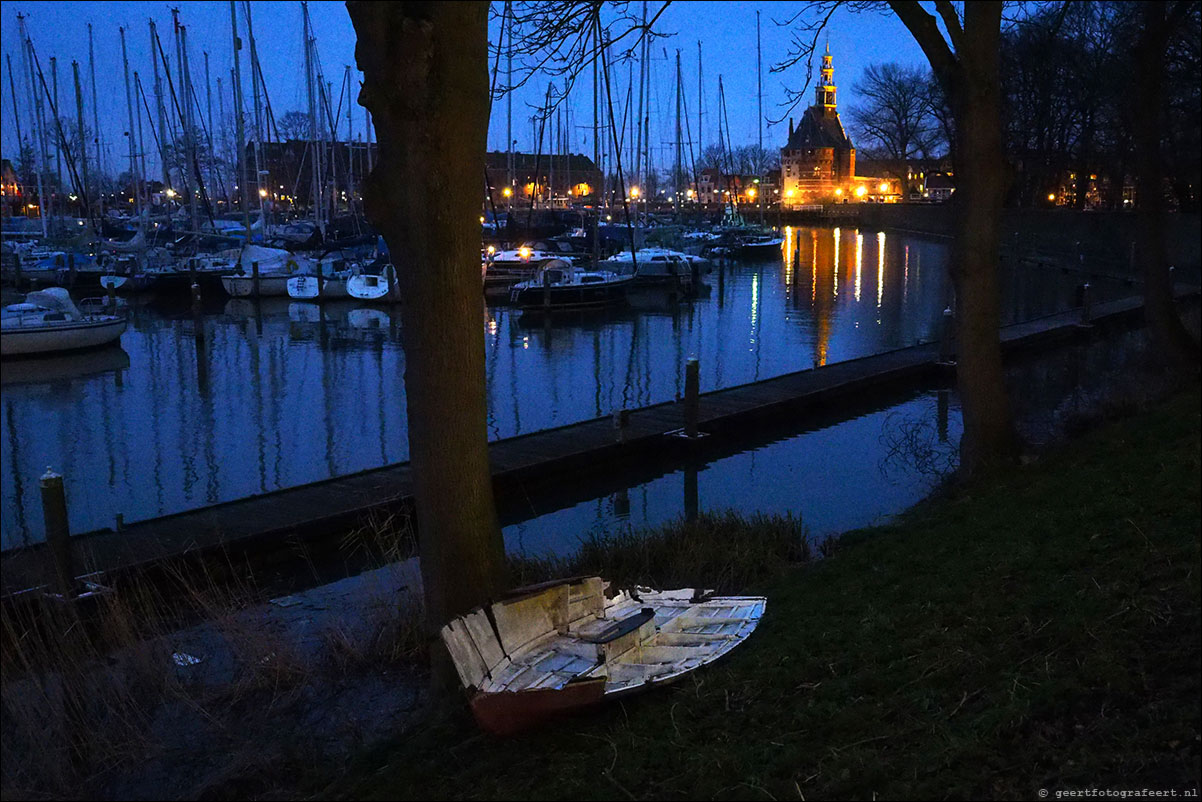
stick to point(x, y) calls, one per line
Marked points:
point(1086, 304)
point(546, 291)
point(692, 406)
point(947, 340)
point(254, 272)
point(60, 572)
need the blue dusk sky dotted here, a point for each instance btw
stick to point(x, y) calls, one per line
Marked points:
point(727, 31)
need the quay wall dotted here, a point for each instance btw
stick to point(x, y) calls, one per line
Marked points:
point(1055, 230)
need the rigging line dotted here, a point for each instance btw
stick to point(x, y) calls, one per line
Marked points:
point(689, 134)
point(634, 260)
point(492, 92)
point(542, 128)
point(208, 136)
point(204, 196)
point(150, 124)
point(58, 124)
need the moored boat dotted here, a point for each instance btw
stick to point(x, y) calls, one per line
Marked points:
point(560, 285)
point(567, 646)
point(47, 321)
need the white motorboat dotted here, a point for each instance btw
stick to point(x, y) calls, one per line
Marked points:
point(561, 647)
point(47, 321)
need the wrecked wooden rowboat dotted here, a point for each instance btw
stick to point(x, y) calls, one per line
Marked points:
point(561, 647)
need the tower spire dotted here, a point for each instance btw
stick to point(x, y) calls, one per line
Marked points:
point(824, 93)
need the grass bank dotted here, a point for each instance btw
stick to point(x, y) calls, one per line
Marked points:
point(1038, 632)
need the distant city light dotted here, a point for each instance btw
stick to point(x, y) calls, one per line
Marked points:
point(884, 187)
point(861, 191)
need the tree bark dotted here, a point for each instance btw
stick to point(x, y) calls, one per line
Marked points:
point(989, 438)
point(425, 68)
point(1169, 335)
point(971, 81)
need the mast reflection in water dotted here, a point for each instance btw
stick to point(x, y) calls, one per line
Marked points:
point(251, 397)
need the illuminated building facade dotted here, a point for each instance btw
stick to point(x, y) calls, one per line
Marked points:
point(818, 162)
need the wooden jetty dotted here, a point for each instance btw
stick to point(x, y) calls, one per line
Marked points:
point(325, 509)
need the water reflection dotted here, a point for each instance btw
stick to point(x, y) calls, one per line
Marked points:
point(241, 397)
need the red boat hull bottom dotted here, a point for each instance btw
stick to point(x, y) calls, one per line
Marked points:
point(511, 712)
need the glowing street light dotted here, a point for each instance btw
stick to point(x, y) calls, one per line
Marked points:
point(170, 193)
point(262, 193)
point(751, 192)
point(1052, 196)
point(884, 187)
point(634, 192)
point(838, 190)
point(861, 191)
point(507, 192)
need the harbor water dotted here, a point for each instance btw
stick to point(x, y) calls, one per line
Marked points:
point(248, 396)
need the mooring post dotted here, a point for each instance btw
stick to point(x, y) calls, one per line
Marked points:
point(254, 272)
point(17, 270)
point(690, 492)
point(621, 418)
point(192, 271)
point(1086, 304)
point(942, 399)
point(546, 291)
point(692, 407)
point(112, 294)
point(60, 573)
point(71, 269)
point(947, 342)
point(195, 295)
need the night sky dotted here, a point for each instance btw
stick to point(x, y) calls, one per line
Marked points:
point(727, 31)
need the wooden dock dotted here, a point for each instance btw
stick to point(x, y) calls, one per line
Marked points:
point(328, 508)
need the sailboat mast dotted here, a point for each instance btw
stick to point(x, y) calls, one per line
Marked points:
point(83, 146)
point(759, 83)
point(58, 144)
point(185, 82)
point(509, 163)
point(39, 124)
point(240, 125)
point(315, 165)
point(12, 88)
point(129, 108)
point(140, 154)
point(700, 138)
point(677, 168)
point(95, 119)
point(158, 103)
point(256, 78)
point(350, 142)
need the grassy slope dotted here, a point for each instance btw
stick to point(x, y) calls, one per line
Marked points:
point(1042, 631)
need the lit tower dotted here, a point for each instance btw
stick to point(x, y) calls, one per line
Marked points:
point(824, 93)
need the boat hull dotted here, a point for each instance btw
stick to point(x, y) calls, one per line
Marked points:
point(509, 713)
point(582, 296)
point(270, 286)
point(30, 340)
point(304, 288)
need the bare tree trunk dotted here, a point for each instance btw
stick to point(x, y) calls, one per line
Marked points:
point(425, 71)
point(1169, 335)
point(989, 439)
point(970, 79)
